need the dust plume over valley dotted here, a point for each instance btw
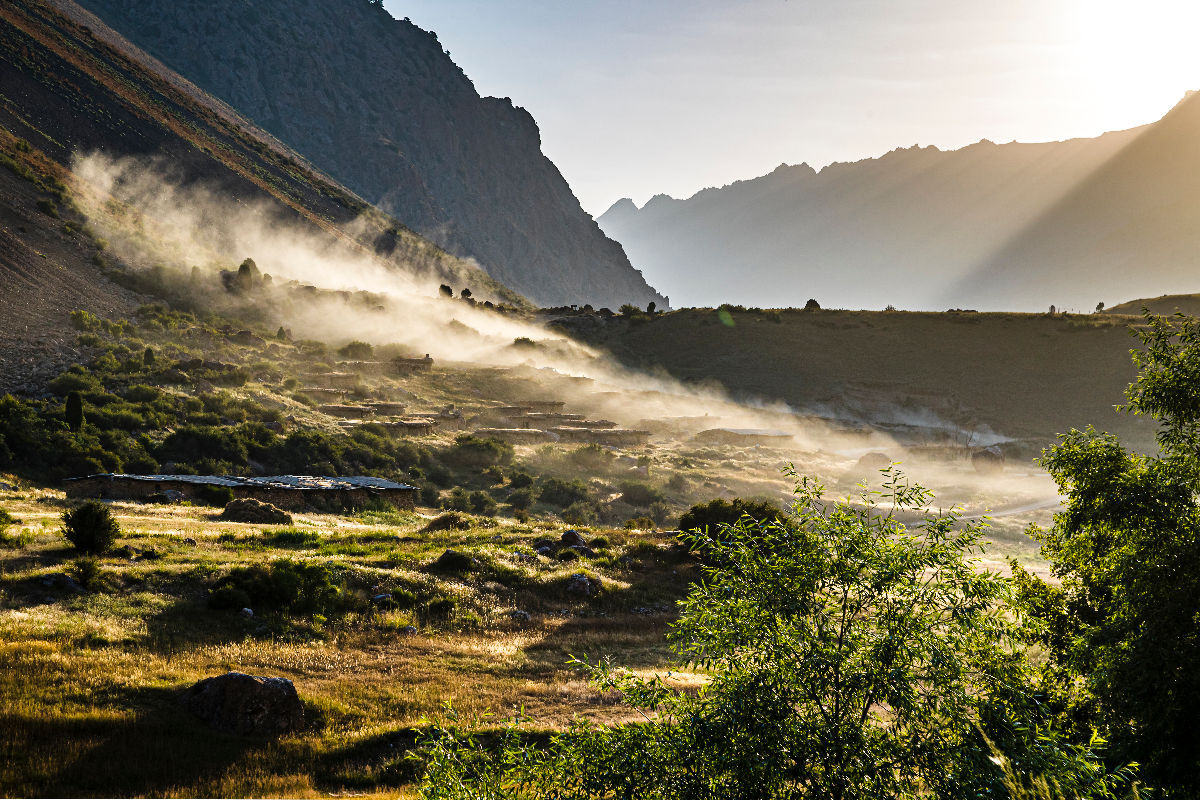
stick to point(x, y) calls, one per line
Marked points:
point(324, 289)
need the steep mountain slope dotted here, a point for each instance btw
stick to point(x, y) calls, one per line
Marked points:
point(1013, 226)
point(378, 104)
point(72, 88)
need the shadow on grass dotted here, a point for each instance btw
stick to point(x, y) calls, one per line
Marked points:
point(155, 749)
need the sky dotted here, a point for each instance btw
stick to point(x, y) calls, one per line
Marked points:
point(641, 97)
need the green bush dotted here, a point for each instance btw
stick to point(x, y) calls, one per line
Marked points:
point(284, 585)
point(482, 503)
point(838, 669)
point(640, 494)
point(723, 512)
point(581, 513)
point(90, 528)
point(472, 451)
point(557, 492)
point(357, 351)
point(216, 496)
point(520, 480)
point(521, 499)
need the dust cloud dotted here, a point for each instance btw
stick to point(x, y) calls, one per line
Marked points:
point(324, 285)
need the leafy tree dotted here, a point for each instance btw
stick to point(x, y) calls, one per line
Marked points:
point(74, 411)
point(357, 351)
point(445, 291)
point(90, 528)
point(720, 512)
point(812, 305)
point(848, 657)
point(1122, 630)
point(148, 357)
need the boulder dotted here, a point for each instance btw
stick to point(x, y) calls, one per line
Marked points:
point(256, 511)
point(582, 585)
point(248, 705)
point(572, 538)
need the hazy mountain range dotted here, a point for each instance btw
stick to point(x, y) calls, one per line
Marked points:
point(378, 104)
point(990, 226)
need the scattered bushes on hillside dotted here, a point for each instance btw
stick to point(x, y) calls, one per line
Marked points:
point(724, 512)
point(473, 451)
point(834, 671)
point(639, 494)
point(285, 585)
point(561, 493)
point(91, 528)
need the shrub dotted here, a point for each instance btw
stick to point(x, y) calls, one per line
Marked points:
point(6, 520)
point(472, 451)
point(723, 512)
point(90, 528)
point(482, 503)
point(73, 411)
point(85, 570)
point(836, 669)
point(521, 499)
point(218, 497)
point(581, 513)
point(557, 492)
point(452, 562)
point(457, 500)
point(357, 351)
point(639, 494)
point(301, 587)
point(47, 207)
point(639, 524)
point(520, 480)
point(590, 457)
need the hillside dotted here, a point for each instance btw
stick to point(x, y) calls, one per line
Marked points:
point(72, 87)
point(964, 376)
point(1164, 305)
point(378, 104)
point(990, 226)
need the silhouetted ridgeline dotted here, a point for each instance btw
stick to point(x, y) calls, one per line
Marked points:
point(378, 104)
point(990, 226)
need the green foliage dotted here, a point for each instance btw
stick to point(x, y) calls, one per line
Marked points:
point(473, 451)
point(91, 528)
point(724, 512)
point(557, 492)
point(48, 207)
point(521, 499)
point(520, 480)
point(849, 657)
point(582, 512)
point(291, 586)
point(640, 494)
point(1121, 630)
point(216, 496)
point(6, 520)
point(86, 571)
point(73, 411)
point(482, 503)
point(357, 351)
point(590, 457)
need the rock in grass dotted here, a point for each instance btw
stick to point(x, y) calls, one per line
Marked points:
point(453, 562)
point(572, 538)
point(248, 705)
point(582, 585)
point(256, 511)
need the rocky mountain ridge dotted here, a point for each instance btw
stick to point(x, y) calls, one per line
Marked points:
point(990, 226)
point(378, 104)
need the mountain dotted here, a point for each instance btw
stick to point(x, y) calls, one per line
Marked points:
point(990, 226)
point(378, 104)
point(72, 86)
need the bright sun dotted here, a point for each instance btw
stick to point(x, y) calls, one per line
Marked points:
point(1131, 52)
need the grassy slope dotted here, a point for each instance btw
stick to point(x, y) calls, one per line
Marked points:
point(109, 661)
point(1029, 376)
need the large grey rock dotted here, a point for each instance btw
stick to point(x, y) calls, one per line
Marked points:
point(248, 705)
point(580, 584)
point(572, 538)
